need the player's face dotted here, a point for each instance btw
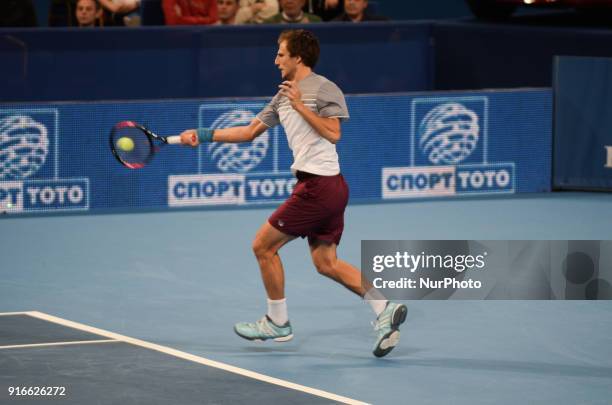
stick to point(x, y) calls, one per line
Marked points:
point(285, 62)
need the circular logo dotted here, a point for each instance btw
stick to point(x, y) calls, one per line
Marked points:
point(23, 147)
point(236, 157)
point(449, 133)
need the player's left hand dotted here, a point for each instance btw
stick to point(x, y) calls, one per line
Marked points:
point(292, 91)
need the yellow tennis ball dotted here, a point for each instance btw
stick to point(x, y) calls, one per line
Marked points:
point(125, 144)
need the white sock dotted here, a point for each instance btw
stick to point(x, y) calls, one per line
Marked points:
point(376, 300)
point(277, 311)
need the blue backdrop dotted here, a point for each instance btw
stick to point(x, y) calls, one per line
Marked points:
point(583, 123)
point(56, 156)
point(472, 55)
point(60, 64)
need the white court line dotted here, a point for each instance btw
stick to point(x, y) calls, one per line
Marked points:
point(78, 342)
point(14, 313)
point(194, 358)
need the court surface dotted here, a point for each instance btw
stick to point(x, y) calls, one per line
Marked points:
point(155, 295)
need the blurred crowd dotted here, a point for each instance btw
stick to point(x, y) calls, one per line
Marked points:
point(100, 13)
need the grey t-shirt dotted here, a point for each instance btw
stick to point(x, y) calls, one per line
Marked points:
point(311, 152)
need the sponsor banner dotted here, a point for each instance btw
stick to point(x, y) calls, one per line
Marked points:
point(11, 196)
point(485, 178)
point(468, 269)
point(30, 161)
point(412, 182)
point(449, 152)
point(269, 187)
point(438, 181)
point(232, 189)
point(28, 143)
point(210, 189)
point(54, 195)
point(44, 195)
point(401, 146)
point(235, 173)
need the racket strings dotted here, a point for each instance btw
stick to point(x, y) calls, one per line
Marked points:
point(136, 156)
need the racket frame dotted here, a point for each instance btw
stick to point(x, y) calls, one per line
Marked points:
point(151, 137)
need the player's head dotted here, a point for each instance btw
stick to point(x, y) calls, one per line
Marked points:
point(87, 11)
point(296, 49)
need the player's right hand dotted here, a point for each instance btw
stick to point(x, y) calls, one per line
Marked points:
point(189, 137)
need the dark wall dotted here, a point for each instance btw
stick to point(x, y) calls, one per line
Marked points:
point(583, 123)
point(187, 62)
point(202, 61)
point(477, 56)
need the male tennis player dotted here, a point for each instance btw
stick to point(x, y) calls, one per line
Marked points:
point(310, 108)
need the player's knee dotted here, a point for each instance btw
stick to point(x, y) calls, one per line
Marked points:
point(325, 267)
point(260, 249)
point(257, 247)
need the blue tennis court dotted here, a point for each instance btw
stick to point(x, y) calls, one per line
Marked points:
point(177, 282)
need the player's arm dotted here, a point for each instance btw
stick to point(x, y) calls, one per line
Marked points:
point(244, 133)
point(328, 128)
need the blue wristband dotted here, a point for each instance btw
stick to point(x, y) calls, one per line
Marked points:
point(205, 135)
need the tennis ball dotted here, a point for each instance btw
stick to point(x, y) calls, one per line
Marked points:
point(125, 144)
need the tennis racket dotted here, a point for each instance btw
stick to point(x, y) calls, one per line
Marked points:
point(134, 145)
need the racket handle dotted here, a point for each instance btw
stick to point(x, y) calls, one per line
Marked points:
point(173, 140)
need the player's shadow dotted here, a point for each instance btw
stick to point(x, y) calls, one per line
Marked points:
point(272, 349)
point(501, 366)
point(526, 367)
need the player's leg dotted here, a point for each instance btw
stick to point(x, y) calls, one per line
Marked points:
point(390, 315)
point(275, 324)
point(324, 257)
point(326, 261)
point(266, 245)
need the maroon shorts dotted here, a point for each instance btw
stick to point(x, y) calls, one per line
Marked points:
point(314, 209)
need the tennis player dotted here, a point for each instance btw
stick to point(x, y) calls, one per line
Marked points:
point(310, 108)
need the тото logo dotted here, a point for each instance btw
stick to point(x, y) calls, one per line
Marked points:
point(449, 133)
point(23, 147)
point(233, 157)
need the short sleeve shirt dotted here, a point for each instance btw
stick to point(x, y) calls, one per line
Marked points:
point(311, 152)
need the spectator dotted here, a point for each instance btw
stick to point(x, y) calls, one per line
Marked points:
point(326, 9)
point(256, 11)
point(121, 12)
point(227, 9)
point(17, 13)
point(88, 13)
point(120, 6)
point(355, 11)
point(292, 13)
point(190, 12)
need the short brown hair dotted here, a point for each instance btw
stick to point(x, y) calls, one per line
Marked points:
point(97, 4)
point(301, 43)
